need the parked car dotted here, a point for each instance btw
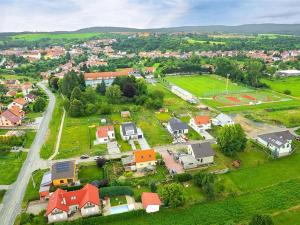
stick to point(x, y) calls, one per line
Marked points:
point(84, 157)
point(97, 157)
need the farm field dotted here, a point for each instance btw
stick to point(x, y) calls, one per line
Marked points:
point(193, 41)
point(280, 85)
point(34, 37)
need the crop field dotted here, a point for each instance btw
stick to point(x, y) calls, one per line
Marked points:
point(34, 37)
point(193, 41)
point(291, 84)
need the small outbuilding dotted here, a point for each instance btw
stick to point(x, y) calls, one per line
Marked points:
point(151, 202)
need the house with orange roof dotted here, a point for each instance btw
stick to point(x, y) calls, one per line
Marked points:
point(63, 203)
point(151, 202)
point(104, 134)
point(11, 93)
point(140, 160)
point(8, 119)
point(200, 123)
point(20, 102)
point(26, 88)
point(17, 111)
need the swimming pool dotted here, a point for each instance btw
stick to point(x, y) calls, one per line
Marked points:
point(119, 209)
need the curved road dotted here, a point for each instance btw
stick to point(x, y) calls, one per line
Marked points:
point(14, 196)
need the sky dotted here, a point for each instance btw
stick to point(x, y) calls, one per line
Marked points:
point(67, 15)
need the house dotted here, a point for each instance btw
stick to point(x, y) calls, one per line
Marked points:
point(46, 182)
point(11, 93)
point(17, 111)
point(176, 127)
point(105, 133)
point(188, 161)
point(20, 102)
point(30, 98)
point(280, 143)
point(222, 120)
point(8, 119)
point(63, 204)
point(200, 123)
point(63, 173)
point(129, 131)
point(151, 202)
point(202, 152)
point(125, 114)
point(26, 88)
point(140, 159)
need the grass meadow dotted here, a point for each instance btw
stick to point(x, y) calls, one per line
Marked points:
point(280, 85)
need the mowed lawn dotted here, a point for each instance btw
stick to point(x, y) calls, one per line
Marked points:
point(291, 83)
point(34, 37)
point(206, 85)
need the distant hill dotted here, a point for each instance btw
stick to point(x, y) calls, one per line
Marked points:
point(240, 29)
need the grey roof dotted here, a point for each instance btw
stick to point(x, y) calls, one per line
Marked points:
point(176, 124)
point(46, 179)
point(128, 126)
point(127, 160)
point(278, 138)
point(202, 150)
point(64, 169)
point(223, 118)
point(188, 160)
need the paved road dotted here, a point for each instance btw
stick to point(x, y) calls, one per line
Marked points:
point(13, 198)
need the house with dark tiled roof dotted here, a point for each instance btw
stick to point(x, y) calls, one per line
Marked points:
point(176, 127)
point(63, 203)
point(202, 152)
point(129, 131)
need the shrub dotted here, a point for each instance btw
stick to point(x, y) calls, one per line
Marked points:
point(115, 191)
point(261, 220)
point(183, 177)
point(287, 92)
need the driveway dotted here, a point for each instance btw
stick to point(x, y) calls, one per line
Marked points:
point(36, 207)
point(170, 162)
point(14, 196)
point(113, 148)
point(143, 143)
point(206, 135)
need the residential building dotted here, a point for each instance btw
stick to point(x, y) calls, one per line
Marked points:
point(222, 120)
point(188, 161)
point(151, 202)
point(63, 204)
point(129, 131)
point(20, 102)
point(202, 152)
point(200, 123)
point(63, 173)
point(105, 133)
point(140, 160)
point(280, 143)
point(8, 119)
point(176, 127)
point(30, 98)
point(17, 111)
point(46, 182)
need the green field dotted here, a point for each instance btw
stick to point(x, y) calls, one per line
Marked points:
point(280, 85)
point(38, 36)
point(193, 41)
point(206, 85)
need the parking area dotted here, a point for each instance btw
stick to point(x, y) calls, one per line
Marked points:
point(35, 207)
point(170, 162)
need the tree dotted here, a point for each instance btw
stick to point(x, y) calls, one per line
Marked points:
point(101, 89)
point(69, 82)
point(54, 82)
point(76, 108)
point(232, 139)
point(172, 195)
point(39, 105)
point(101, 162)
point(206, 181)
point(261, 220)
point(90, 109)
point(129, 90)
point(81, 82)
point(3, 89)
point(113, 93)
point(76, 94)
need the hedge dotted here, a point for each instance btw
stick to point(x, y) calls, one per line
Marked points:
point(183, 177)
point(115, 191)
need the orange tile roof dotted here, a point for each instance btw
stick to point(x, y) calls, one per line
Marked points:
point(144, 155)
point(17, 111)
point(202, 120)
point(102, 131)
point(20, 101)
point(149, 198)
point(100, 75)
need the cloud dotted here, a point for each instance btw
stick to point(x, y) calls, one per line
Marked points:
point(50, 15)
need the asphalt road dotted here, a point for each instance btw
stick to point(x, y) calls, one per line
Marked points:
point(13, 197)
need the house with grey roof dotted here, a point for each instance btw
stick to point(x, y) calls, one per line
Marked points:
point(129, 131)
point(280, 143)
point(176, 127)
point(202, 152)
point(188, 161)
point(222, 120)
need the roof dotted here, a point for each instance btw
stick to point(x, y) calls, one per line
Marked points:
point(11, 93)
point(202, 150)
point(144, 155)
point(176, 124)
point(31, 96)
point(17, 111)
point(101, 75)
point(102, 131)
point(201, 120)
point(128, 126)
point(62, 199)
point(188, 160)
point(149, 198)
point(20, 101)
point(46, 180)
point(223, 118)
point(10, 116)
point(127, 160)
point(277, 138)
point(65, 169)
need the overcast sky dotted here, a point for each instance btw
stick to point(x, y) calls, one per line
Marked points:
point(51, 15)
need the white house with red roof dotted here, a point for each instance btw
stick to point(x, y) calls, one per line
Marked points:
point(9, 119)
point(151, 202)
point(104, 134)
point(62, 203)
point(20, 102)
point(200, 123)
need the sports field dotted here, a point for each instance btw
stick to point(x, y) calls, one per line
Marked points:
point(206, 85)
point(291, 83)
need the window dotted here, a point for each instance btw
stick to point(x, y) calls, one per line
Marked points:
point(73, 197)
point(61, 181)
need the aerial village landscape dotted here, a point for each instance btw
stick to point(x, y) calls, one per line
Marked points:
point(123, 126)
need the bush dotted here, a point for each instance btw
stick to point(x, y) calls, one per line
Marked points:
point(287, 92)
point(115, 191)
point(261, 220)
point(183, 177)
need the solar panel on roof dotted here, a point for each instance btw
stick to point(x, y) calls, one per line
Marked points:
point(63, 166)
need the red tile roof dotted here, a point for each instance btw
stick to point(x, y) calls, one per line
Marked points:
point(100, 75)
point(10, 116)
point(149, 198)
point(20, 101)
point(102, 131)
point(201, 120)
point(17, 111)
point(144, 155)
point(62, 199)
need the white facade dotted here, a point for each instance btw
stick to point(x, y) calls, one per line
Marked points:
point(89, 209)
point(152, 208)
point(222, 120)
point(202, 160)
point(131, 135)
point(176, 132)
point(103, 140)
point(185, 95)
point(15, 104)
point(57, 215)
point(199, 127)
point(284, 150)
